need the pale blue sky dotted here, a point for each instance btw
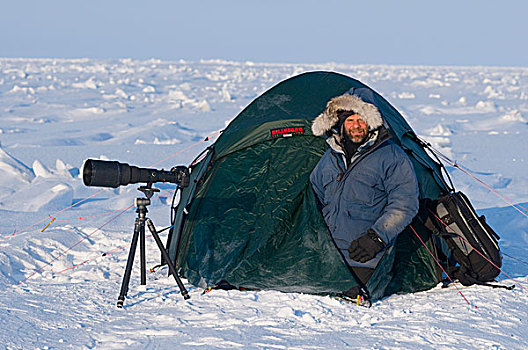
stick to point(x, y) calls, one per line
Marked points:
point(449, 32)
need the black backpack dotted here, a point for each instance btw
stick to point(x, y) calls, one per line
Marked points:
point(472, 242)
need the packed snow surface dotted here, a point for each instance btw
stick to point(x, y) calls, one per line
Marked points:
point(59, 286)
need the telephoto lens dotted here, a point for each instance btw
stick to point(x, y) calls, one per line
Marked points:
point(102, 173)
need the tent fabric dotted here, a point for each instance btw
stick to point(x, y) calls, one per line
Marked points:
point(250, 216)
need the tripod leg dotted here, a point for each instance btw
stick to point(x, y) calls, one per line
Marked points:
point(142, 253)
point(172, 268)
point(128, 269)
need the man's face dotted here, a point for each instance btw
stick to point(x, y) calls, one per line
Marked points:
point(355, 128)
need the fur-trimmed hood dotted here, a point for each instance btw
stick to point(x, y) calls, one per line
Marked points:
point(328, 119)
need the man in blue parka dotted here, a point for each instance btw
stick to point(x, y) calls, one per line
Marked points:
point(365, 183)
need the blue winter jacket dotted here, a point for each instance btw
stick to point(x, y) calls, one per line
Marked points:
point(377, 190)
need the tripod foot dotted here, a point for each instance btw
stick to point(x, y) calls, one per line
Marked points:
point(120, 302)
point(185, 294)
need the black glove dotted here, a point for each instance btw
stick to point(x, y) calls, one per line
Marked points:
point(366, 247)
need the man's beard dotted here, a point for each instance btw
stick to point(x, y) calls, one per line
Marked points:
point(360, 137)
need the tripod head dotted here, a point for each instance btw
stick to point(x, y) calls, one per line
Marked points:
point(141, 203)
point(147, 190)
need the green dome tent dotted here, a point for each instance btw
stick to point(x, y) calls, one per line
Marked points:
point(250, 217)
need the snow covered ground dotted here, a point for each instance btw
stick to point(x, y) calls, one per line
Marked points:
point(59, 287)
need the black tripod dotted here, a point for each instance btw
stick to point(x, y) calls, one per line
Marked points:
point(139, 233)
